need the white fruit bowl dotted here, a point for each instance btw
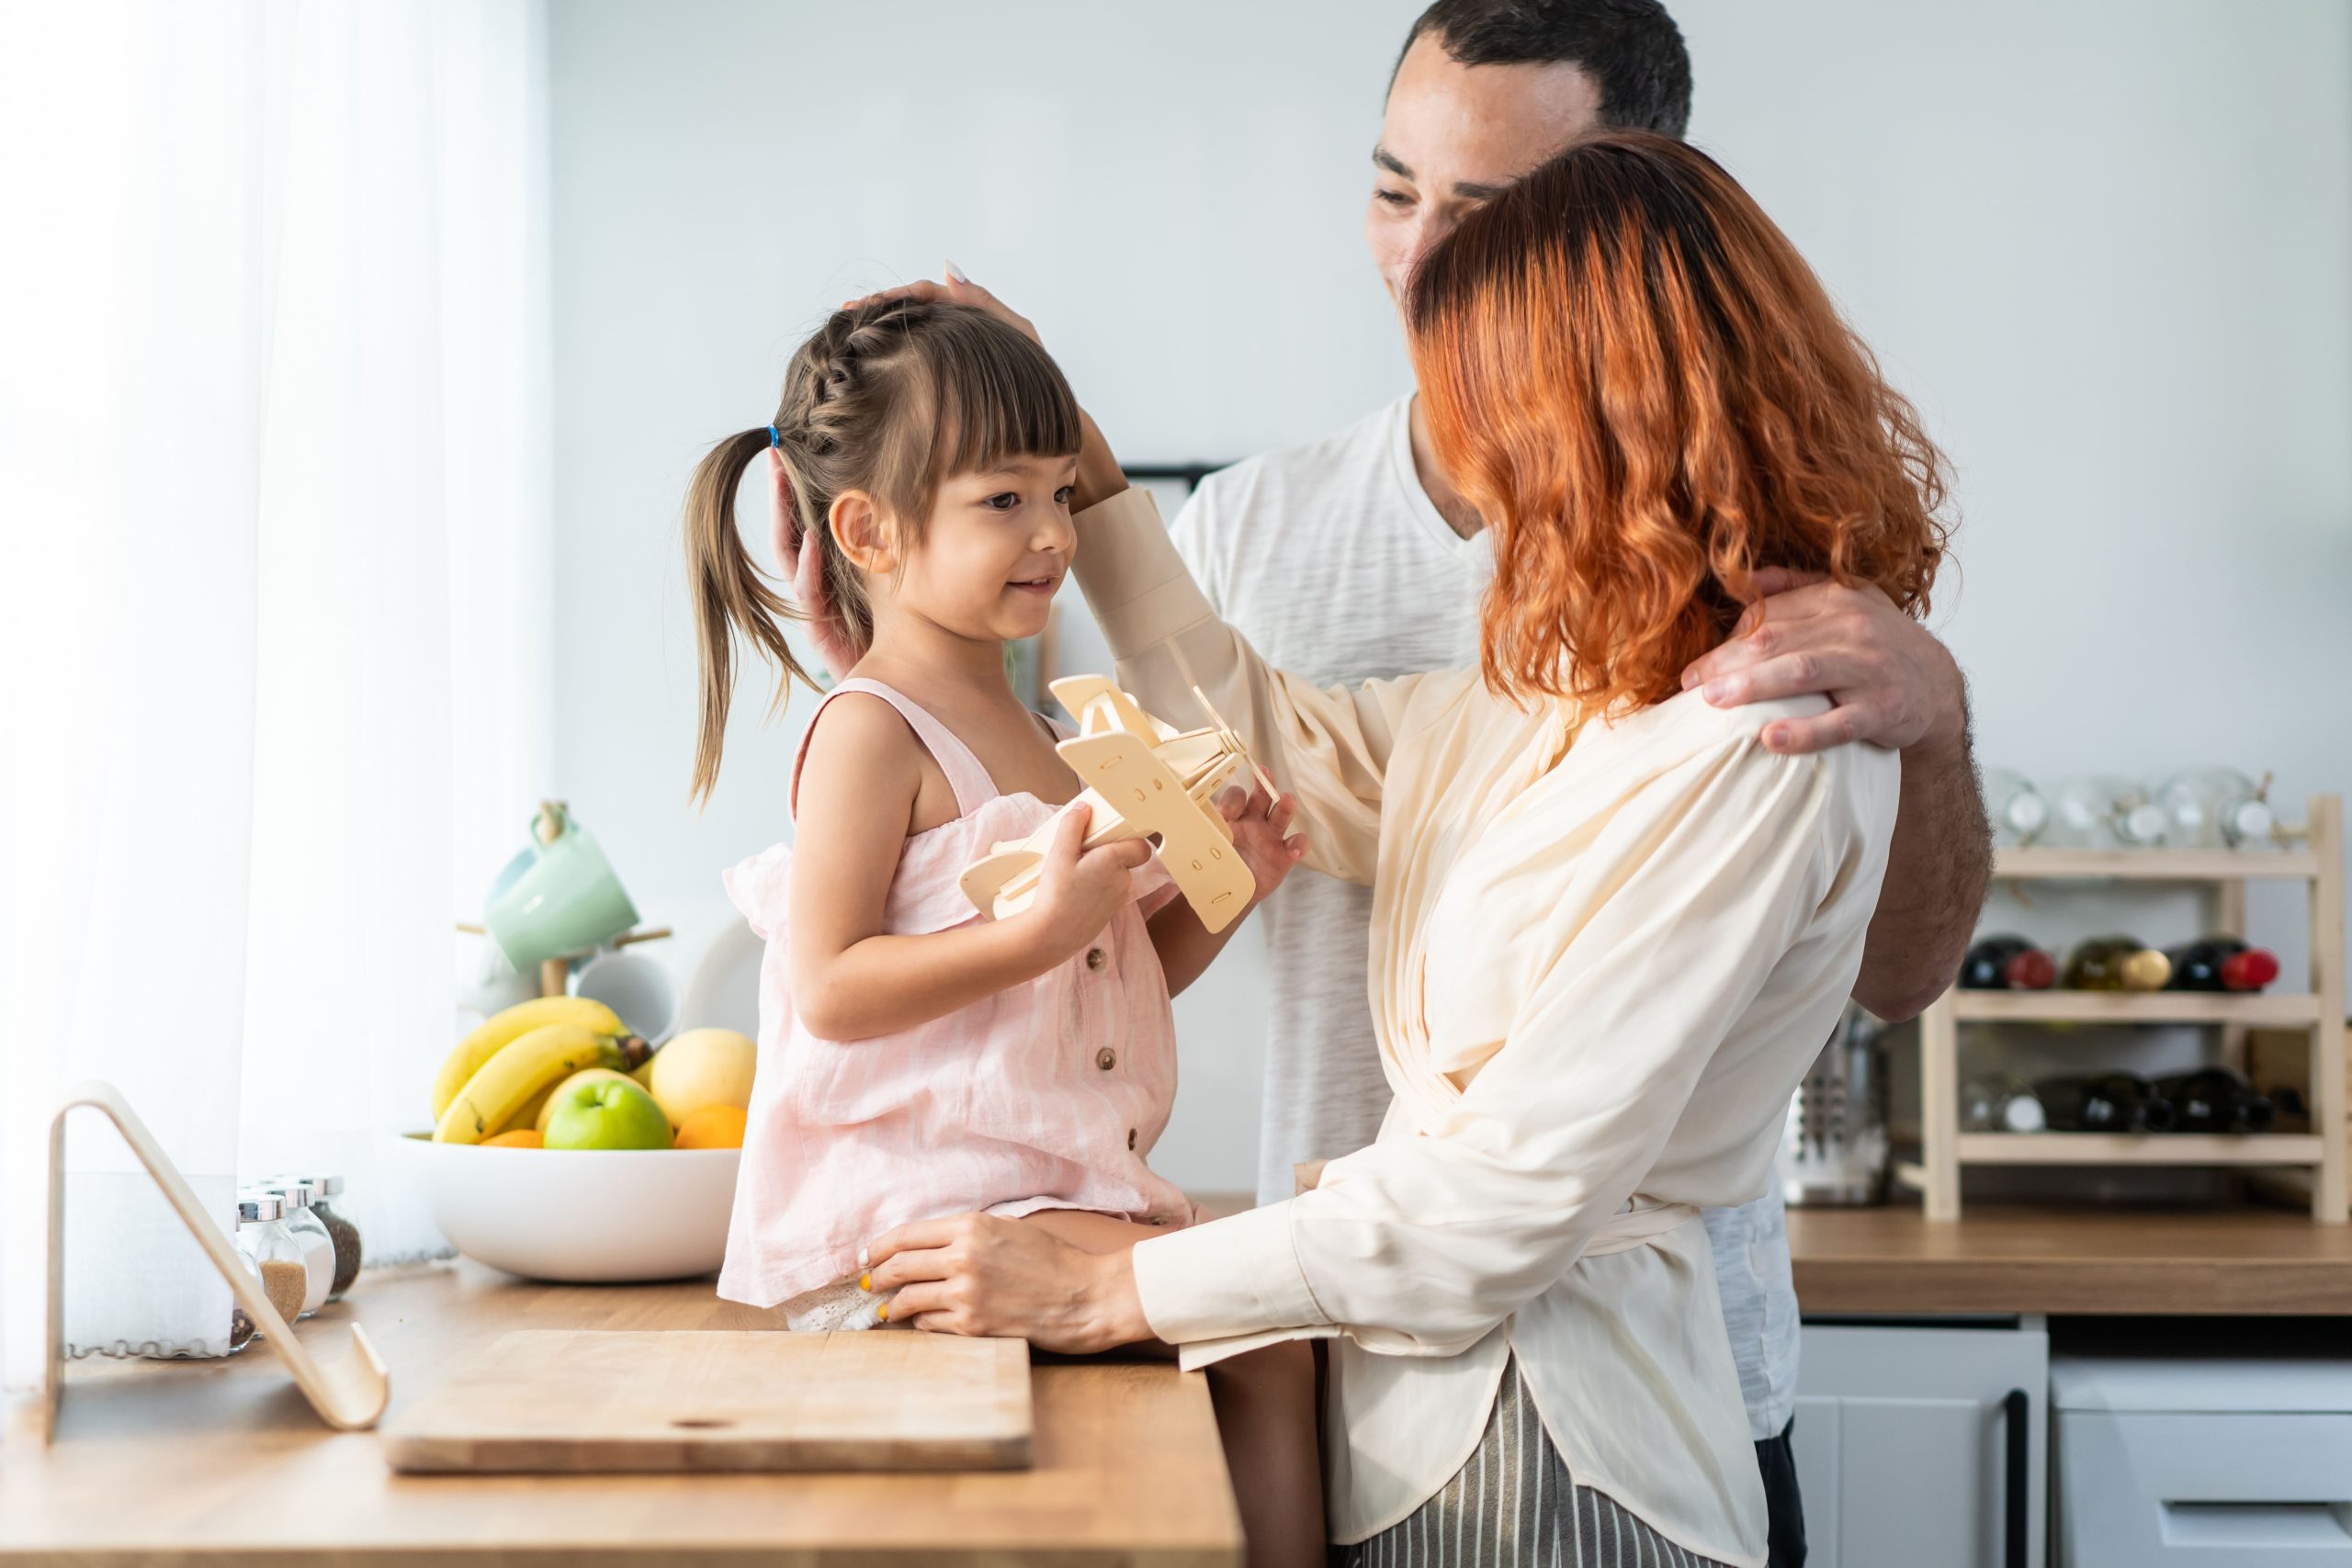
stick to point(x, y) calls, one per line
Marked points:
point(582, 1215)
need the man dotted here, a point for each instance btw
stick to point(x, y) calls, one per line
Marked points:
point(1484, 90)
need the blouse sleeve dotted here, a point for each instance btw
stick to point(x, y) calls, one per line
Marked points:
point(1665, 932)
point(1329, 747)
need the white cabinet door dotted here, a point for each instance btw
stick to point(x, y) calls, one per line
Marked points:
point(1905, 1449)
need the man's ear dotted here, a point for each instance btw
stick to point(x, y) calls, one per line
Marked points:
point(863, 533)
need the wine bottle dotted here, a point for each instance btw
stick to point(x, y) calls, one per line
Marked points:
point(2015, 809)
point(2107, 1103)
point(2221, 963)
point(2007, 964)
point(2101, 811)
point(2215, 1099)
point(2000, 1102)
point(2116, 964)
point(2216, 808)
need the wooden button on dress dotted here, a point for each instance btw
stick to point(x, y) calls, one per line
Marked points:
point(1131, 1137)
point(1106, 1058)
point(1095, 956)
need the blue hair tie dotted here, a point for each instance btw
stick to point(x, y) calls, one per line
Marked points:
point(774, 438)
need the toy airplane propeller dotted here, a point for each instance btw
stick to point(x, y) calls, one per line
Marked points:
point(1144, 780)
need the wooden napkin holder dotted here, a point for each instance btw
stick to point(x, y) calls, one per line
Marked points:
point(349, 1393)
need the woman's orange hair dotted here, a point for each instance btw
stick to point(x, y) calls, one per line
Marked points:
point(1641, 387)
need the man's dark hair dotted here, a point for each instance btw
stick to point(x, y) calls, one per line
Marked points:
point(1631, 48)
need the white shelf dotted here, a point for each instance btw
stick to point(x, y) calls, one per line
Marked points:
point(2155, 865)
point(2256, 1009)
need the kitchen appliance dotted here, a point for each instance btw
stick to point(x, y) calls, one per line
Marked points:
point(2169, 1460)
point(1835, 1149)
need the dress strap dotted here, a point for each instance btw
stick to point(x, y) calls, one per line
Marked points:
point(966, 776)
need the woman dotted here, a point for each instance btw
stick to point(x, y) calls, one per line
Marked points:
point(1611, 931)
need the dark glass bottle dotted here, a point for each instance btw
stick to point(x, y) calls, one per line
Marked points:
point(2215, 1099)
point(2007, 964)
point(2104, 1102)
point(2221, 963)
point(2116, 964)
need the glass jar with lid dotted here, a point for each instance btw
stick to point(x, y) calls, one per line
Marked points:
point(278, 1257)
point(242, 1328)
point(324, 1190)
point(318, 1247)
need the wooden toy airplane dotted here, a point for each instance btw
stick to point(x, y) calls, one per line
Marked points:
point(1144, 779)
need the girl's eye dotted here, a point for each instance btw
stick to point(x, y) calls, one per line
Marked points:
point(1391, 198)
point(1003, 500)
point(1061, 496)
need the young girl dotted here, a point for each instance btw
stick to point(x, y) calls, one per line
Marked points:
point(916, 1060)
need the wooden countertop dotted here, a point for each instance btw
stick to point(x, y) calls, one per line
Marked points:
point(2018, 1258)
point(162, 1464)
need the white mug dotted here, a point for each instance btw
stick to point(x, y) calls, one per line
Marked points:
point(637, 985)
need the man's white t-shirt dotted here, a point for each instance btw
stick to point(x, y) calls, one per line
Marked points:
point(1336, 565)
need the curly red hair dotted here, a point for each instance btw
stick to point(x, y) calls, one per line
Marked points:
point(1648, 395)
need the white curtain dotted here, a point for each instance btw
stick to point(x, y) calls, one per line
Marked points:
point(274, 476)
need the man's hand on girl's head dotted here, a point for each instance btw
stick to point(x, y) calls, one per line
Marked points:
point(1889, 681)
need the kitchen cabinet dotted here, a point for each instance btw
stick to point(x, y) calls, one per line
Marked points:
point(1924, 1445)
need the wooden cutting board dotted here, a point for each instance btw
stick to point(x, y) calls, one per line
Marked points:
point(572, 1400)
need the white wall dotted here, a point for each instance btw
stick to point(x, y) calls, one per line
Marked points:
point(2108, 245)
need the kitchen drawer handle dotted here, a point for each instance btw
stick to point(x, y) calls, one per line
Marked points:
point(2016, 1411)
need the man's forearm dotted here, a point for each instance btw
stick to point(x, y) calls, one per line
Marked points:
point(1938, 865)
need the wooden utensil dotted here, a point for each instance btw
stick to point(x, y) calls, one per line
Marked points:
point(574, 1400)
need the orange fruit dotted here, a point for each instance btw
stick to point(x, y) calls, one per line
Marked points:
point(520, 1138)
point(712, 1127)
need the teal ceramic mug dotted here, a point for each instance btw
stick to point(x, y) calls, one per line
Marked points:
point(558, 895)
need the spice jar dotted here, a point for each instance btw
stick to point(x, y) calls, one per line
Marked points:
point(340, 1230)
point(318, 1247)
point(261, 1235)
point(241, 1322)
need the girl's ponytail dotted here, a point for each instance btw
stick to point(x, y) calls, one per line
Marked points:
point(728, 595)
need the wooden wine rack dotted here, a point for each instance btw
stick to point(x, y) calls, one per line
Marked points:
point(2318, 863)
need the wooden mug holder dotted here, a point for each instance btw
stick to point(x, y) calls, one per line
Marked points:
point(555, 974)
point(349, 1393)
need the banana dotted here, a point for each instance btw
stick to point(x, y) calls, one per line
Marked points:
point(485, 1041)
point(523, 1066)
point(527, 1113)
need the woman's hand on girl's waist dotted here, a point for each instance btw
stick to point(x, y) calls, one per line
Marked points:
point(994, 1277)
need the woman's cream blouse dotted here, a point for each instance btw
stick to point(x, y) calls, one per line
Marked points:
point(1599, 971)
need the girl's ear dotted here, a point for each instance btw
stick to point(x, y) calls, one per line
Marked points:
point(863, 533)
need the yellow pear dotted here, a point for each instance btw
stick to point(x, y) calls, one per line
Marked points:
point(585, 1075)
point(702, 1068)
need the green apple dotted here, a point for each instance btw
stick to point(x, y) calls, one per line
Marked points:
point(605, 1114)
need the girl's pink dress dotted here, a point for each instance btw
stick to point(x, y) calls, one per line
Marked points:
point(1045, 1095)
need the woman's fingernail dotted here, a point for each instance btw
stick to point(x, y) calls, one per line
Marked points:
point(1716, 690)
point(956, 273)
point(861, 1260)
point(866, 1283)
point(882, 1315)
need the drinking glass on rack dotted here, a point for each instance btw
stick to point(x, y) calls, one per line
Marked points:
point(2017, 810)
point(2103, 811)
point(2217, 809)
